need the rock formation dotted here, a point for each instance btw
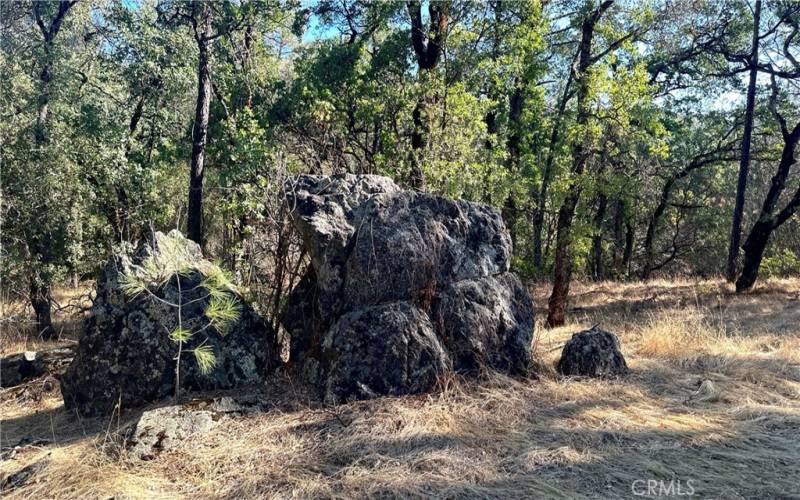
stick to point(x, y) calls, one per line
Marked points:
point(592, 353)
point(127, 352)
point(403, 287)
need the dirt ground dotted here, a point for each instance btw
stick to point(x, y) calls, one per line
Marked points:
point(711, 408)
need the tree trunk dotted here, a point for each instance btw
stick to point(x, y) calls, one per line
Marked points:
point(510, 209)
point(619, 238)
point(630, 235)
point(41, 299)
point(768, 221)
point(652, 226)
point(744, 163)
point(417, 180)
point(547, 173)
point(40, 281)
point(597, 268)
point(754, 248)
point(562, 270)
point(428, 44)
point(200, 130)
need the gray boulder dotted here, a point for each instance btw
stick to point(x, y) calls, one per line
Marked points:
point(592, 353)
point(384, 349)
point(485, 322)
point(125, 354)
point(167, 428)
point(393, 269)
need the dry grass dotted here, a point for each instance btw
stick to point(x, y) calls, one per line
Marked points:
point(17, 332)
point(713, 397)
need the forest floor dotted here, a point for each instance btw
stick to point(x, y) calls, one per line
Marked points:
point(712, 404)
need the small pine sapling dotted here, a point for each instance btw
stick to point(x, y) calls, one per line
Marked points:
point(222, 310)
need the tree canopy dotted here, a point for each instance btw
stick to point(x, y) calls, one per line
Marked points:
point(610, 133)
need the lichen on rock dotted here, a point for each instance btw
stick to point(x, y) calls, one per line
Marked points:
point(400, 283)
point(127, 353)
point(593, 353)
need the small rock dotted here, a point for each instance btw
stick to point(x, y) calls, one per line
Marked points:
point(165, 428)
point(706, 393)
point(592, 353)
point(19, 478)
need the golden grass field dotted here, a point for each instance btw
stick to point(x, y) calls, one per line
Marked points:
point(712, 401)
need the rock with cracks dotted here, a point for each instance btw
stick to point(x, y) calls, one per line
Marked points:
point(167, 428)
point(126, 355)
point(593, 353)
point(402, 288)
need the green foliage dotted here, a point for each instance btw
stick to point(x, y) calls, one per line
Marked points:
point(180, 334)
point(205, 358)
point(332, 86)
point(223, 312)
point(174, 261)
point(785, 263)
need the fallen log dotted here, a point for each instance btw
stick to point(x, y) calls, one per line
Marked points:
point(19, 368)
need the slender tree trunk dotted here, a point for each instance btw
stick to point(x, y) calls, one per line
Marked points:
point(744, 163)
point(428, 44)
point(619, 237)
point(40, 281)
point(510, 209)
point(547, 174)
point(652, 225)
point(43, 103)
point(627, 255)
point(562, 270)
point(597, 268)
point(200, 130)
point(768, 221)
point(40, 290)
point(41, 299)
point(417, 180)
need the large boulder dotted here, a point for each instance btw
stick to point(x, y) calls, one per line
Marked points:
point(400, 279)
point(593, 353)
point(127, 352)
point(384, 349)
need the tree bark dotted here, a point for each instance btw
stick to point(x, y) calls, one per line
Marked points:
point(510, 209)
point(652, 225)
point(41, 299)
point(562, 270)
point(48, 37)
point(40, 289)
point(756, 242)
point(596, 262)
point(200, 128)
point(547, 174)
point(619, 238)
point(627, 255)
point(754, 248)
point(744, 163)
point(428, 44)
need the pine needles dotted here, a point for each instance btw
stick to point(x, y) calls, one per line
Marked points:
point(172, 260)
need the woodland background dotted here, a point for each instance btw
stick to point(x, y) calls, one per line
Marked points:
point(621, 139)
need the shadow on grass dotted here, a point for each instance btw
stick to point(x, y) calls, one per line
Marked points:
point(503, 439)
